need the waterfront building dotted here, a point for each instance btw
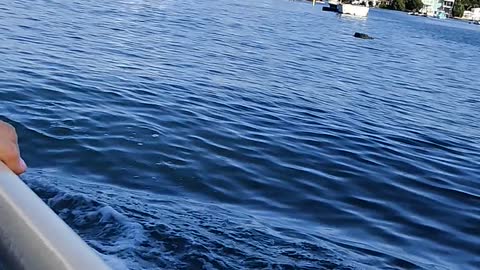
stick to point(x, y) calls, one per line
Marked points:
point(472, 15)
point(475, 14)
point(448, 7)
point(437, 8)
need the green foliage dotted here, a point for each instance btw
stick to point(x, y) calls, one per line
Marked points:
point(458, 9)
point(398, 5)
point(413, 4)
point(461, 5)
point(384, 5)
point(468, 4)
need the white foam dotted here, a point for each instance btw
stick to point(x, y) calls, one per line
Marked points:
point(114, 262)
point(114, 233)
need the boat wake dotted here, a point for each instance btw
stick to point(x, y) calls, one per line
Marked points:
point(130, 233)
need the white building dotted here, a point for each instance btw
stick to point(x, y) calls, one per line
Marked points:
point(473, 15)
point(430, 7)
point(448, 6)
point(435, 7)
point(467, 15)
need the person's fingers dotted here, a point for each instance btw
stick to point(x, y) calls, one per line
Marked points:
point(10, 155)
point(9, 152)
point(8, 132)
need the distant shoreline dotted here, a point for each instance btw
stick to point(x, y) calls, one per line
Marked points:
point(387, 8)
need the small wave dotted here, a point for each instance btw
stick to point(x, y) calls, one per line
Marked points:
point(176, 234)
point(108, 231)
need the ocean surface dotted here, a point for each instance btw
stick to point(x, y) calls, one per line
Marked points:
point(252, 134)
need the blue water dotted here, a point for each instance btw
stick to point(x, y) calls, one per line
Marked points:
point(253, 134)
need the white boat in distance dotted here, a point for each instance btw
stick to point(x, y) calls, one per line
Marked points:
point(355, 10)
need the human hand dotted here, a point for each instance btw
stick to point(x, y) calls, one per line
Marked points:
point(9, 152)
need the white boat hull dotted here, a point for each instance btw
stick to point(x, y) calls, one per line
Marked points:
point(32, 236)
point(354, 10)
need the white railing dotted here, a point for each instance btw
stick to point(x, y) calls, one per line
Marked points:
point(32, 236)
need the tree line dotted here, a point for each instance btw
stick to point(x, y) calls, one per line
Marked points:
point(404, 5)
point(461, 5)
point(415, 5)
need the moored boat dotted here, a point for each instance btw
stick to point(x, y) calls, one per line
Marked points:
point(355, 10)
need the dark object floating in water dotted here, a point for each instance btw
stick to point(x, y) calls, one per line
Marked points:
point(362, 36)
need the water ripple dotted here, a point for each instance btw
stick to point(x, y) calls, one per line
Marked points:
point(248, 135)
